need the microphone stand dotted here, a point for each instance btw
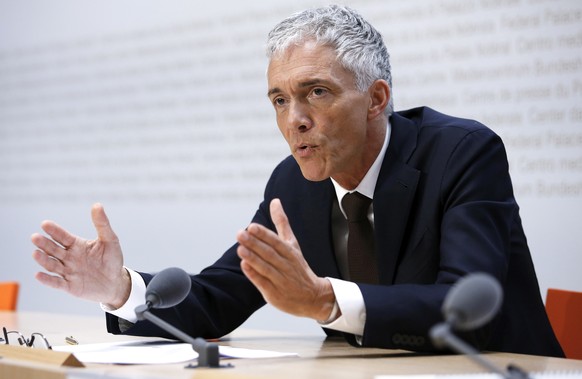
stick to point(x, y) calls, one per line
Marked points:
point(208, 355)
point(441, 335)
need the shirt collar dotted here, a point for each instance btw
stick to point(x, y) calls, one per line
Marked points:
point(368, 183)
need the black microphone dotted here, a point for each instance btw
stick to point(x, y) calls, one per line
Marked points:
point(168, 288)
point(472, 302)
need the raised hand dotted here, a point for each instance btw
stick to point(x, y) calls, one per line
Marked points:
point(92, 270)
point(273, 262)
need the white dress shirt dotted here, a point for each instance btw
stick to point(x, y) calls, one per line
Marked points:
point(348, 295)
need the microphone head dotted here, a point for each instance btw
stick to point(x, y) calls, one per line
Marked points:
point(168, 288)
point(473, 301)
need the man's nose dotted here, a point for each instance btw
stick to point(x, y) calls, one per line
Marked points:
point(299, 117)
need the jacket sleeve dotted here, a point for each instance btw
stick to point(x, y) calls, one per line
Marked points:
point(221, 299)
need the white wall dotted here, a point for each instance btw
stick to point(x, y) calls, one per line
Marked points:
point(158, 110)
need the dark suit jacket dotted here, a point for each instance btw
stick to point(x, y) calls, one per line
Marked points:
point(443, 207)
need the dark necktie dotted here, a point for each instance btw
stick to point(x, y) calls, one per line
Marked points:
point(361, 256)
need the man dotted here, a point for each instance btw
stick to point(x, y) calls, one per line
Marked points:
point(442, 207)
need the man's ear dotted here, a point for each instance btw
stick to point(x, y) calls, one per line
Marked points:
point(379, 97)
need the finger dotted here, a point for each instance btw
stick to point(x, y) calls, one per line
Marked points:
point(48, 246)
point(263, 246)
point(263, 284)
point(59, 234)
point(51, 280)
point(101, 223)
point(47, 262)
point(256, 252)
point(281, 221)
point(257, 237)
point(265, 242)
point(251, 273)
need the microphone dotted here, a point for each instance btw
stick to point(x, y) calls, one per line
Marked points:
point(471, 303)
point(168, 288)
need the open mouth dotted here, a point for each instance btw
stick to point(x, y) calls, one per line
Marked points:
point(305, 150)
point(304, 146)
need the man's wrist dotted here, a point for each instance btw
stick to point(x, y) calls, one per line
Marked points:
point(332, 316)
point(352, 310)
point(136, 298)
point(123, 291)
point(330, 310)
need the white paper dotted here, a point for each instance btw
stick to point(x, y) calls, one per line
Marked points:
point(155, 352)
point(237, 352)
point(532, 375)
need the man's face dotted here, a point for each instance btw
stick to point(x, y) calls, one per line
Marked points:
point(321, 114)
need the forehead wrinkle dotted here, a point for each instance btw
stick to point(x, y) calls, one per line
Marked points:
point(311, 82)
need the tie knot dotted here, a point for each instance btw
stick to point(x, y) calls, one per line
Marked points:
point(356, 206)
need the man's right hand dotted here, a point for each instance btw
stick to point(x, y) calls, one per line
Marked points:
point(92, 270)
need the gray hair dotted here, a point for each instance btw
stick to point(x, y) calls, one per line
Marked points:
point(358, 45)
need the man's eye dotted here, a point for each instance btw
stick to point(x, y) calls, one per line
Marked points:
point(319, 91)
point(279, 101)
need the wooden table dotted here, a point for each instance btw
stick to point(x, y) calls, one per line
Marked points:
point(319, 358)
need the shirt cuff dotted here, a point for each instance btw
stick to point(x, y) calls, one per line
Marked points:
point(136, 298)
point(351, 303)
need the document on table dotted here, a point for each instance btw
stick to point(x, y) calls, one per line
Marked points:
point(155, 352)
point(531, 375)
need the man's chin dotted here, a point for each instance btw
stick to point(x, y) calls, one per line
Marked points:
point(313, 176)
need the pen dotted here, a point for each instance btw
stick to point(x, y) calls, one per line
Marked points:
point(71, 341)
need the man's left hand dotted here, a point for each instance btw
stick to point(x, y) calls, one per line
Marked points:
point(273, 262)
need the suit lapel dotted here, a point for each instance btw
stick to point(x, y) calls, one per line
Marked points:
point(315, 228)
point(394, 195)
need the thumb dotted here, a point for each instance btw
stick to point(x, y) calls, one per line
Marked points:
point(281, 221)
point(101, 223)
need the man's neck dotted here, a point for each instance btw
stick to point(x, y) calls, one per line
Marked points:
point(367, 184)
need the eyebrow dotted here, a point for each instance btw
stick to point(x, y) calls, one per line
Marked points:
point(273, 91)
point(307, 83)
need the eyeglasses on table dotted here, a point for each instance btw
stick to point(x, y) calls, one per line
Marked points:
point(14, 337)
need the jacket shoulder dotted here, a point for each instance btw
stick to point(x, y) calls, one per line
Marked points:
point(429, 120)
